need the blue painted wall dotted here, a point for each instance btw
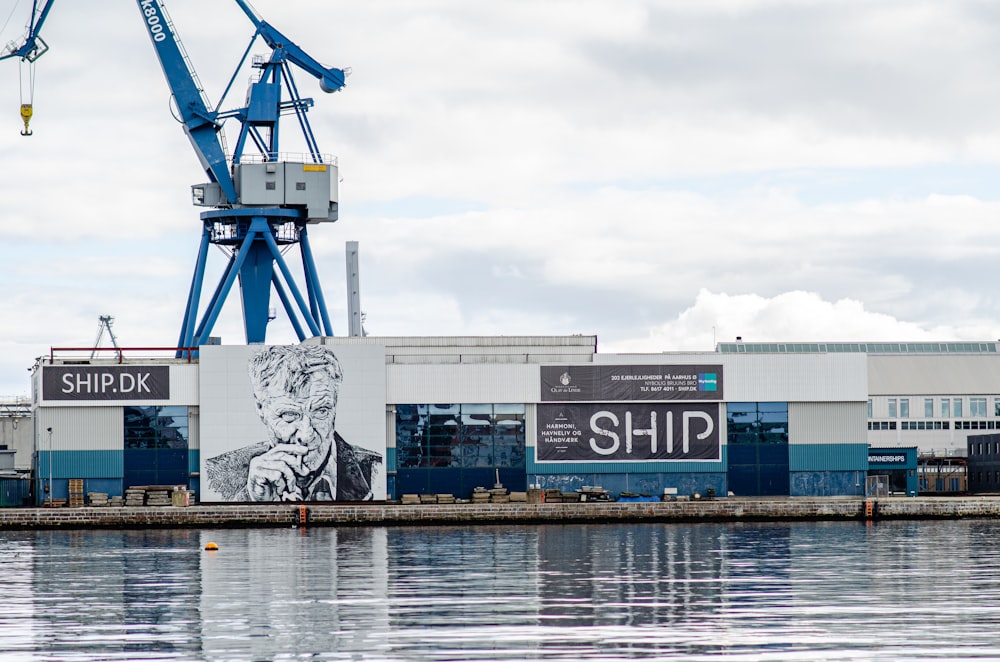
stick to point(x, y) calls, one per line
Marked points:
point(686, 483)
point(827, 483)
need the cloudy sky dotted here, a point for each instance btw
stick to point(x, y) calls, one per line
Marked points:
point(661, 174)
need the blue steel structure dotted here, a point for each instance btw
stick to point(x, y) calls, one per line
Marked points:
point(251, 218)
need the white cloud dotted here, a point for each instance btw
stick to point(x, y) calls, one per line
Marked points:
point(787, 317)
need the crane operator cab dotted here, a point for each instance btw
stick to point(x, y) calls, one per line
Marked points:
point(26, 112)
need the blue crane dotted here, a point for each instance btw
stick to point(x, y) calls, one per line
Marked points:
point(261, 200)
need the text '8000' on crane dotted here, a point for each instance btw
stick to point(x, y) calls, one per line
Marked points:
point(260, 200)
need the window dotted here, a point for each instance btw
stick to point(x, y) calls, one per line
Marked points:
point(996, 406)
point(928, 407)
point(757, 422)
point(460, 436)
point(156, 427)
point(945, 408)
point(892, 407)
point(904, 407)
point(977, 407)
point(869, 408)
point(957, 407)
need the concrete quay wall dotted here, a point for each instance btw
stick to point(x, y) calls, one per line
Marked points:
point(381, 514)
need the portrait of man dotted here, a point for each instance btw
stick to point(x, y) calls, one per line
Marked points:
point(295, 390)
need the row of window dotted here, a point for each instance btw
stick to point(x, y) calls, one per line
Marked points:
point(984, 447)
point(983, 477)
point(934, 425)
point(943, 407)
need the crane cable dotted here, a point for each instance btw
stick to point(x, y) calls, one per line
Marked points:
point(27, 109)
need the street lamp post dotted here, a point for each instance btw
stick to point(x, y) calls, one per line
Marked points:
point(49, 430)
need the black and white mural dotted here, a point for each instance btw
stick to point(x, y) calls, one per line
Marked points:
point(292, 423)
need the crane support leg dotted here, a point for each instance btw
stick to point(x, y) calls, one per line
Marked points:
point(194, 294)
point(255, 289)
point(259, 265)
point(289, 310)
point(280, 261)
point(312, 283)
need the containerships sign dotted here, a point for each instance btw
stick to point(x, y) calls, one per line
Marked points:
point(601, 383)
point(627, 432)
point(119, 382)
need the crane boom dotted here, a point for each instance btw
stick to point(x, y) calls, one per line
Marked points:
point(33, 47)
point(199, 122)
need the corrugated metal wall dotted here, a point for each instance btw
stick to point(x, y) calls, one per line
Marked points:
point(448, 384)
point(80, 428)
point(827, 422)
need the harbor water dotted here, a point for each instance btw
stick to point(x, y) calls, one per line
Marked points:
point(740, 591)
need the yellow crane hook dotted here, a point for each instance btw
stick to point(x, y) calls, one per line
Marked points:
point(26, 113)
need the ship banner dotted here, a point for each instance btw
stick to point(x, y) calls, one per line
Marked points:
point(604, 383)
point(628, 432)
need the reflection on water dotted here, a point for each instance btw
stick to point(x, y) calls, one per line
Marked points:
point(894, 590)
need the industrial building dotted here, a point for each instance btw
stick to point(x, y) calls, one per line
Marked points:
point(434, 415)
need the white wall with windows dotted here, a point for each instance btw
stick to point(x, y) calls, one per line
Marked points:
point(933, 401)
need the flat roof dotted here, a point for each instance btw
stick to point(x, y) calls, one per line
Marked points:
point(858, 347)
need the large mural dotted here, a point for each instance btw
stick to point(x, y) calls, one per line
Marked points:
point(292, 423)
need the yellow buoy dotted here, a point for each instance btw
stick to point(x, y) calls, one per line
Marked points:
point(26, 112)
point(211, 547)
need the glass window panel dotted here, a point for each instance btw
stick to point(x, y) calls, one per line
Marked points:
point(977, 407)
point(904, 407)
point(928, 407)
point(892, 407)
point(945, 408)
point(957, 407)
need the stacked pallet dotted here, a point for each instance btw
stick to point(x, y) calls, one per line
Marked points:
point(499, 495)
point(54, 503)
point(135, 496)
point(428, 498)
point(158, 496)
point(446, 498)
point(480, 495)
point(410, 499)
point(75, 492)
point(98, 499)
point(553, 496)
point(117, 502)
point(519, 497)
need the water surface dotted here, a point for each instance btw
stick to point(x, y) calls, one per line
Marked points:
point(844, 590)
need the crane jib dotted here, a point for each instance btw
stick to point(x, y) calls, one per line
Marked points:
point(153, 20)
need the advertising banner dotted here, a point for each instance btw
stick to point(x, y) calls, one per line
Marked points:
point(105, 383)
point(627, 432)
point(603, 383)
point(292, 423)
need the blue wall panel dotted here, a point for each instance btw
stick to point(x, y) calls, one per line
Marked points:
point(457, 481)
point(827, 483)
point(637, 483)
point(828, 457)
point(81, 464)
point(658, 467)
